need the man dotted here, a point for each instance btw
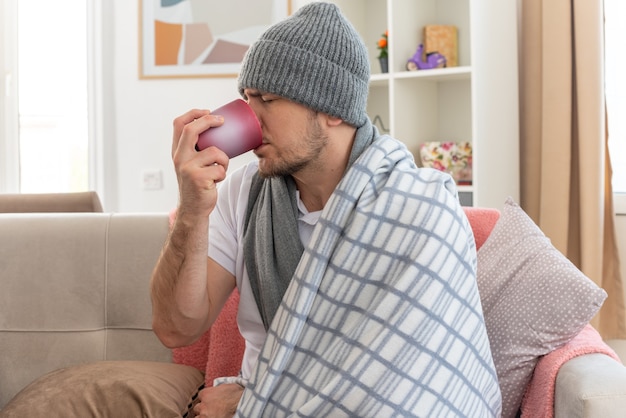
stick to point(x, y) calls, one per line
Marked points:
point(356, 269)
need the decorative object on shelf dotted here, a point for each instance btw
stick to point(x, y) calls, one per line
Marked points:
point(378, 122)
point(383, 57)
point(419, 62)
point(454, 158)
point(442, 39)
point(384, 64)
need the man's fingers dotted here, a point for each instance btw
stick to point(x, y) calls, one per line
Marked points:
point(187, 127)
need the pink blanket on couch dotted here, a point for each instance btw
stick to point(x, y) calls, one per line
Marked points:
point(539, 397)
point(219, 351)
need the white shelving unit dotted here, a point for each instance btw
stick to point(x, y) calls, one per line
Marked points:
point(476, 101)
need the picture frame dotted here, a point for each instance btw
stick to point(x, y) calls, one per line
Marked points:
point(198, 38)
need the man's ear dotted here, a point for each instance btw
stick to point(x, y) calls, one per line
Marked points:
point(333, 120)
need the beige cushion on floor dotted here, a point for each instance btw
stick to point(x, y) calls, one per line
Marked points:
point(109, 389)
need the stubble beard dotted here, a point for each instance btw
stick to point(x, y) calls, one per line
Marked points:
point(289, 163)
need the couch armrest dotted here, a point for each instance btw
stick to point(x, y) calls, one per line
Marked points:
point(592, 385)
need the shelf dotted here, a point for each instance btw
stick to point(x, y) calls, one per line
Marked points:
point(379, 79)
point(437, 74)
point(476, 101)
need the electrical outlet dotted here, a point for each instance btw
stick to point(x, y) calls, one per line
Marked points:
point(152, 179)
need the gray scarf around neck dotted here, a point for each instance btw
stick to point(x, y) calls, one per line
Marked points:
point(272, 246)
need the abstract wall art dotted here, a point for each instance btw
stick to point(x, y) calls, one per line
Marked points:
point(201, 38)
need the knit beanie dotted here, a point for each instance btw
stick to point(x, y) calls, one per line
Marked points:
point(314, 57)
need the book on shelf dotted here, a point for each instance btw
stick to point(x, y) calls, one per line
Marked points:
point(442, 39)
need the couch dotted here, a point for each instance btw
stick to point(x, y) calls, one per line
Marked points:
point(50, 202)
point(75, 326)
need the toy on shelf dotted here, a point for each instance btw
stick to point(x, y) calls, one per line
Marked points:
point(432, 60)
point(438, 50)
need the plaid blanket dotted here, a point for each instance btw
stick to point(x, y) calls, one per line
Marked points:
point(382, 317)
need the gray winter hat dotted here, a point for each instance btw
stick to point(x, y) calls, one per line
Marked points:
point(314, 57)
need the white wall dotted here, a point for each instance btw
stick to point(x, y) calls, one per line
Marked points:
point(138, 115)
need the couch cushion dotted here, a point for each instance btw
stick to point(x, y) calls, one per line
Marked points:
point(109, 389)
point(53, 259)
point(534, 300)
point(78, 285)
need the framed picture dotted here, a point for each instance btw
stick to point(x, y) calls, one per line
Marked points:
point(201, 38)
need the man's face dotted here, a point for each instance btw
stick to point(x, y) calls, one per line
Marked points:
point(293, 137)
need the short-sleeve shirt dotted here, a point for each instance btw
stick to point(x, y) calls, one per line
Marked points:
point(226, 231)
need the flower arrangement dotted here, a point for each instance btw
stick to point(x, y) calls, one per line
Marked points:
point(382, 45)
point(452, 157)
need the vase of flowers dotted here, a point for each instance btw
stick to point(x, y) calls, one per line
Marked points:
point(383, 57)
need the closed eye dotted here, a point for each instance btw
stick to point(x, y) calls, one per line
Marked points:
point(264, 97)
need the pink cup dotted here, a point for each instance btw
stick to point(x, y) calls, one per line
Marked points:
point(241, 131)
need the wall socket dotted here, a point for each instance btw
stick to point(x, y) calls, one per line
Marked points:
point(152, 179)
